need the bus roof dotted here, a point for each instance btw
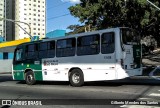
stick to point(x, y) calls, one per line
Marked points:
point(81, 34)
point(75, 35)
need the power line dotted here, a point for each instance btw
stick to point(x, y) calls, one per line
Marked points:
point(153, 4)
point(57, 5)
point(58, 16)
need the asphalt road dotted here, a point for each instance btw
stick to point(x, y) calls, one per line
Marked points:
point(56, 93)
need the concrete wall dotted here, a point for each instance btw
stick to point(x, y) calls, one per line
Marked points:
point(6, 66)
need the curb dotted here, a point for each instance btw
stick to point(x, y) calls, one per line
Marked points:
point(5, 73)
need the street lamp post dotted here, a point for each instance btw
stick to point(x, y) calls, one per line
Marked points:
point(16, 22)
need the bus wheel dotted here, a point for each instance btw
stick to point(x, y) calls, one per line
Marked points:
point(76, 78)
point(29, 77)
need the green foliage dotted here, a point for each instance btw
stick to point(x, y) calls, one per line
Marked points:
point(101, 14)
point(75, 29)
point(142, 2)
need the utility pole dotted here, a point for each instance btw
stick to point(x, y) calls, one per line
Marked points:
point(16, 22)
point(153, 5)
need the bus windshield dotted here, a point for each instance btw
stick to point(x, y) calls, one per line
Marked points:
point(129, 36)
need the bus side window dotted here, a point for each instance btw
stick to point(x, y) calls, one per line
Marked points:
point(43, 50)
point(18, 55)
point(107, 43)
point(32, 51)
point(66, 47)
point(88, 45)
point(51, 49)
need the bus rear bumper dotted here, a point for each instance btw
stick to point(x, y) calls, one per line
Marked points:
point(122, 73)
point(134, 72)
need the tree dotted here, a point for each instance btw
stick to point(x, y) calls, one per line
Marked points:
point(101, 14)
point(75, 29)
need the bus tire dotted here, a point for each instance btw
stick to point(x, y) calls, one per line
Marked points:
point(29, 77)
point(76, 78)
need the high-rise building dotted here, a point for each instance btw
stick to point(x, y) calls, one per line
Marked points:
point(2, 15)
point(9, 14)
point(32, 12)
point(7, 11)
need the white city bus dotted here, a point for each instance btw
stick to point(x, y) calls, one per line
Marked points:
point(108, 54)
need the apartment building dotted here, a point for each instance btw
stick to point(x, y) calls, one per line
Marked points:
point(2, 15)
point(32, 12)
point(9, 14)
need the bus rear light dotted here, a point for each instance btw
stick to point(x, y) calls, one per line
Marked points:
point(122, 63)
point(133, 66)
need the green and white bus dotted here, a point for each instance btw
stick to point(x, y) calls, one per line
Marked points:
point(108, 54)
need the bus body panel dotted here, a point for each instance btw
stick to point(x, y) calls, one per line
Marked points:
point(23, 65)
point(93, 70)
point(96, 67)
point(132, 60)
point(120, 72)
point(19, 70)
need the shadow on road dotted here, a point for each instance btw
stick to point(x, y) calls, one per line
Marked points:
point(114, 83)
point(65, 83)
point(136, 80)
point(47, 82)
point(5, 77)
point(6, 106)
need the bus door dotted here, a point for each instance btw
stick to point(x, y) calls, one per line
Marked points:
point(18, 67)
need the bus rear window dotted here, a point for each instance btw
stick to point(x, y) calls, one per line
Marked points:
point(129, 36)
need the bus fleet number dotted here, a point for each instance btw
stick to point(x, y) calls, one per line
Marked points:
point(107, 57)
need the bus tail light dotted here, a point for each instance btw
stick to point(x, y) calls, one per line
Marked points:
point(122, 63)
point(133, 66)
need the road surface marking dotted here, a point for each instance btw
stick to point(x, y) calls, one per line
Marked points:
point(155, 94)
point(144, 98)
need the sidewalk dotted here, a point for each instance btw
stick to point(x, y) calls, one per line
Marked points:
point(150, 62)
point(152, 59)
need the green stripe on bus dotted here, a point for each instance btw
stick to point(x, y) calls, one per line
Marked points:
point(36, 68)
point(38, 75)
point(19, 75)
